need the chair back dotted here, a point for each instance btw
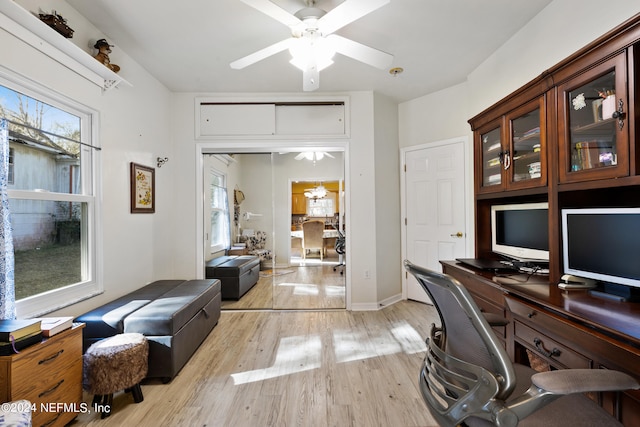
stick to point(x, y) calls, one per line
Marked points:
point(312, 234)
point(466, 367)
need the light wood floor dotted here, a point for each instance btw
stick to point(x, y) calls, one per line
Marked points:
point(313, 285)
point(293, 368)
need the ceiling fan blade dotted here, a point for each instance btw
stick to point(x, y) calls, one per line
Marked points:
point(347, 12)
point(360, 52)
point(262, 54)
point(276, 12)
point(310, 78)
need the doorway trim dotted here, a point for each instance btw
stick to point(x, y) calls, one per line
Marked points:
point(254, 146)
point(468, 185)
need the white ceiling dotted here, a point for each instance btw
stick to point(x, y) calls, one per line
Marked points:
point(188, 45)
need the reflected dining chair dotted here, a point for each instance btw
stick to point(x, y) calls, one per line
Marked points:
point(312, 232)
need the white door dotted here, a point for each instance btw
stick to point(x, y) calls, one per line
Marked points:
point(434, 209)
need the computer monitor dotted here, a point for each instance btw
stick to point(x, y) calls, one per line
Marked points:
point(521, 231)
point(602, 244)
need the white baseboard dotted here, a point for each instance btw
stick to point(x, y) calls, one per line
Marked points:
point(373, 306)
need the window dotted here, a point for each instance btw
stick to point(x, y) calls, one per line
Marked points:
point(321, 207)
point(11, 166)
point(220, 223)
point(51, 197)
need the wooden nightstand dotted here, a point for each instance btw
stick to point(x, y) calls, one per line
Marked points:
point(49, 375)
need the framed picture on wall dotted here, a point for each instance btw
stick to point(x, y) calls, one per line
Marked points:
point(143, 189)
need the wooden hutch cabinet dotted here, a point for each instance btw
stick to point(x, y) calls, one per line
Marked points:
point(511, 150)
point(568, 138)
point(593, 128)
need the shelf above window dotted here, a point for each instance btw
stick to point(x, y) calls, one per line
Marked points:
point(28, 28)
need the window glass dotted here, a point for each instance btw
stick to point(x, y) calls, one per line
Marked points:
point(10, 179)
point(43, 138)
point(321, 207)
point(48, 241)
point(220, 223)
point(51, 198)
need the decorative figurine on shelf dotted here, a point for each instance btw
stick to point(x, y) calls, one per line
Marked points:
point(57, 22)
point(104, 49)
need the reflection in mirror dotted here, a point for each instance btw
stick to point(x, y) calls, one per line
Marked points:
point(267, 207)
point(248, 179)
point(309, 190)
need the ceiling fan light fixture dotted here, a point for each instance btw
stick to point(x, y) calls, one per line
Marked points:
point(310, 51)
point(318, 192)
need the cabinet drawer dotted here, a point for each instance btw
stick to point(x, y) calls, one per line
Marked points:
point(555, 353)
point(55, 387)
point(60, 396)
point(540, 319)
point(39, 370)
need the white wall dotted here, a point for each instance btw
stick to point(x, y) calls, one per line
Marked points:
point(387, 213)
point(134, 127)
point(559, 30)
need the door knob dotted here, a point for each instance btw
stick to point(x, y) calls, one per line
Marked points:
point(458, 234)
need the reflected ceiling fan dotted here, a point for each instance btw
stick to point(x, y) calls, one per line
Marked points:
point(315, 193)
point(312, 43)
point(314, 156)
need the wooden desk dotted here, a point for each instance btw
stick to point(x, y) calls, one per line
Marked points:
point(565, 329)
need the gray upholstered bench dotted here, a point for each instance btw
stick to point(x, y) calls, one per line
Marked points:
point(238, 274)
point(174, 315)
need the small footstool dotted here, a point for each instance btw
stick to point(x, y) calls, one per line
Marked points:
point(116, 363)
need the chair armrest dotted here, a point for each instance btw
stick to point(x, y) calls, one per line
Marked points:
point(567, 381)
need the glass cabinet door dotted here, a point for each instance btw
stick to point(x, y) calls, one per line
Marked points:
point(527, 153)
point(594, 139)
point(491, 158)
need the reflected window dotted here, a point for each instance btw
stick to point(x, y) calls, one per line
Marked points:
point(220, 224)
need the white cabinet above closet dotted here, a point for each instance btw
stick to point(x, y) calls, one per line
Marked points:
point(311, 119)
point(271, 119)
point(237, 119)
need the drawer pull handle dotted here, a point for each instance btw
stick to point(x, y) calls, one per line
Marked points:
point(555, 352)
point(52, 389)
point(530, 315)
point(52, 421)
point(50, 358)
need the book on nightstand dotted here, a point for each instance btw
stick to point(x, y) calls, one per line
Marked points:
point(9, 348)
point(17, 328)
point(53, 325)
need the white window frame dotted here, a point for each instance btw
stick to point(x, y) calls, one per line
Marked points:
point(56, 299)
point(220, 246)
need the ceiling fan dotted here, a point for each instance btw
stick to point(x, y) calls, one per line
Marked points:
point(312, 43)
point(314, 156)
point(317, 192)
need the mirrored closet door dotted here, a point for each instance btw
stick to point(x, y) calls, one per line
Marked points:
point(271, 197)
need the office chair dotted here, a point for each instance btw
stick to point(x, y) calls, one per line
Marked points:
point(340, 250)
point(467, 378)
